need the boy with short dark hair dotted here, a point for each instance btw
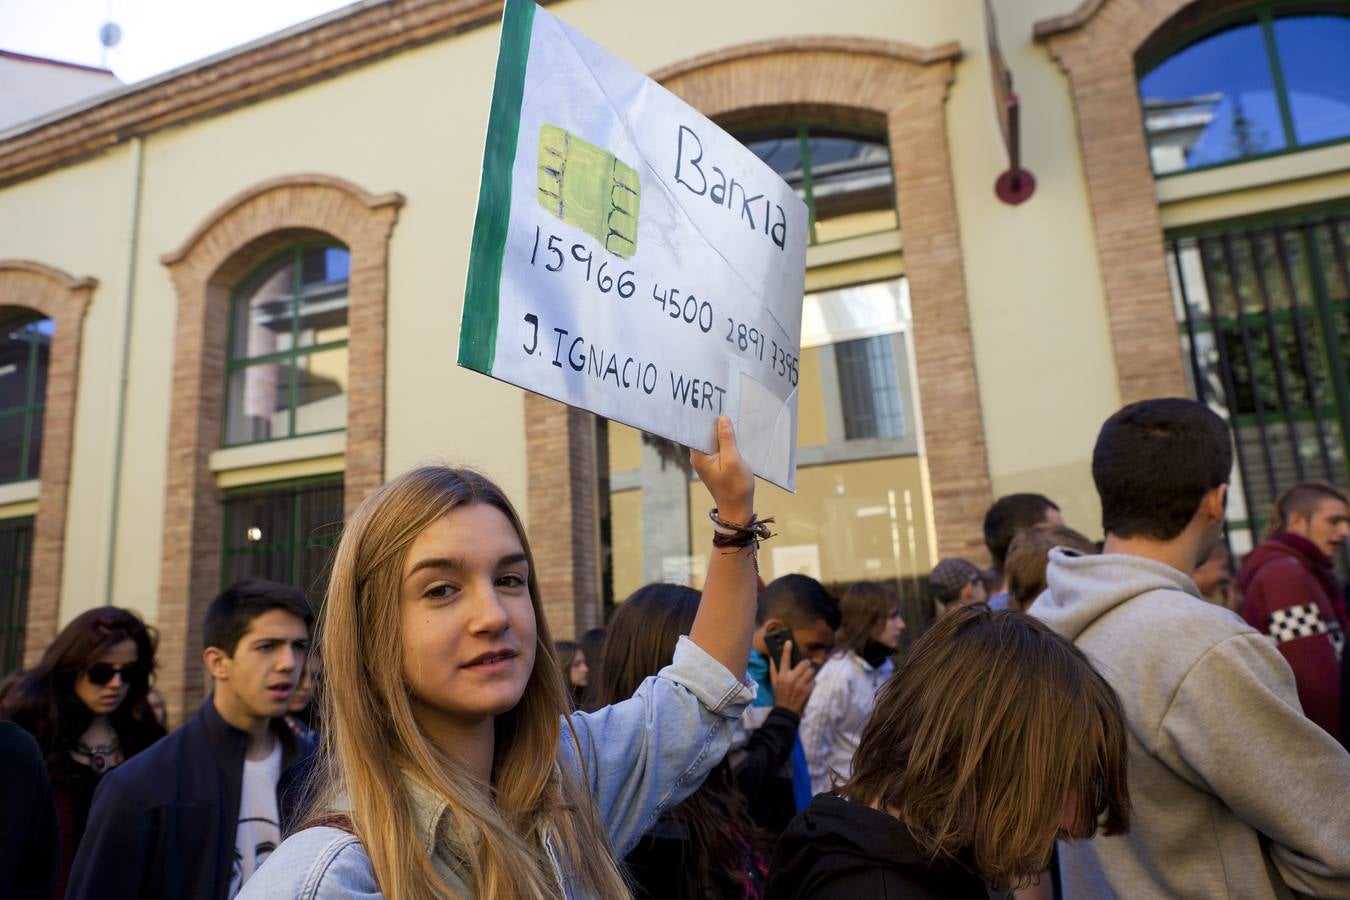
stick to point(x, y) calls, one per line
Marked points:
point(766, 755)
point(1290, 593)
point(199, 811)
point(1234, 792)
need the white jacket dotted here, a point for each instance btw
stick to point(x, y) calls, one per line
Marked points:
point(846, 689)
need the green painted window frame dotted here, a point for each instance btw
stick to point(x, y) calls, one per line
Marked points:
point(291, 355)
point(804, 129)
point(1264, 15)
point(297, 542)
point(35, 396)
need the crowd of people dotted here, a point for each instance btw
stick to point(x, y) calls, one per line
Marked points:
point(1130, 718)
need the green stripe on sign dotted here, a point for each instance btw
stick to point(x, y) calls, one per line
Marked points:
point(478, 329)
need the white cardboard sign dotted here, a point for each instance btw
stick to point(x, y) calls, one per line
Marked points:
point(629, 257)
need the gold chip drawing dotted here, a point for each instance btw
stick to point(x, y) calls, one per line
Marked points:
point(589, 187)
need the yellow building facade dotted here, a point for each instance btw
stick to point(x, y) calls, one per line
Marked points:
point(251, 273)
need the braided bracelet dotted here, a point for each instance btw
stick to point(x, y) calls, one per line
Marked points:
point(733, 537)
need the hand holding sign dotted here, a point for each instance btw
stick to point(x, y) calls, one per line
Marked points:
point(629, 257)
point(726, 475)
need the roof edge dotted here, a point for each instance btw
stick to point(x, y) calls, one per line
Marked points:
point(311, 51)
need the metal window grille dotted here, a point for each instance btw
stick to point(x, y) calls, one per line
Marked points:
point(869, 388)
point(1264, 313)
point(16, 551)
point(285, 534)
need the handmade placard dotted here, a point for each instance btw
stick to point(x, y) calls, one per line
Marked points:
point(629, 257)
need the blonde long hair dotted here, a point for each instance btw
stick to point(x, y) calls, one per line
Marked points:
point(372, 742)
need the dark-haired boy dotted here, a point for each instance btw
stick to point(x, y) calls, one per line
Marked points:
point(1234, 792)
point(199, 811)
point(766, 755)
point(1289, 592)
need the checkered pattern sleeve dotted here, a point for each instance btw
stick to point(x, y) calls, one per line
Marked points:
point(1294, 622)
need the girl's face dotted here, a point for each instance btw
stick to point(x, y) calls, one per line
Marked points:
point(467, 619)
point(888, 632)
point(578, 673)
point(118, 660)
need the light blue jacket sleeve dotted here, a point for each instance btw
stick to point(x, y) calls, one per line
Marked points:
point(646, 754)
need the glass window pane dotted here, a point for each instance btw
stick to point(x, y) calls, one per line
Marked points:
point(19, 381)
point(259, 541)
point(264, 310)
point(324, 265)
point(781, 150)
point(320, 512)
point(34, 444)
point(1213, 101)
point(322, 391)
point(16, 541)
point(323, 313)
point(11, 446)
point(869, 388)
point(258, 403)
point(851, 182)
point(1315, 56)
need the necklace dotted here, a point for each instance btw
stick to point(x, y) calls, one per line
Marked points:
point(100, 755)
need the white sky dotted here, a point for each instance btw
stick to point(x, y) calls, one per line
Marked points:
point(157, 35)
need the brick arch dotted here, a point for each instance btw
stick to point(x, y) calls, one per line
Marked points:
point(1096, 45)
point(64, 300)
point(902, 89)
point(242, 232)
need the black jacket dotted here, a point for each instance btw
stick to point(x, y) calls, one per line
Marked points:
point(163, 823)
point(837, 848)
point(763, 774)
point(30, 856)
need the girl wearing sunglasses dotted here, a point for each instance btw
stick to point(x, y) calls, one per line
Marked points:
point(86, 705)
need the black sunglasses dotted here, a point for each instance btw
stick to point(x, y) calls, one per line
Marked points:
point(102, 673)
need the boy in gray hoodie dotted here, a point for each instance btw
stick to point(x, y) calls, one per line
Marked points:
point(1235, 792)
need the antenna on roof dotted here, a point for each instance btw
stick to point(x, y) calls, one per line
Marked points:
point(109, 36)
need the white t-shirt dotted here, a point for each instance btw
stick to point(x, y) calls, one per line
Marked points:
point(259, 829)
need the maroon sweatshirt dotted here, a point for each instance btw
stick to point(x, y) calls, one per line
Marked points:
point(1289, 593)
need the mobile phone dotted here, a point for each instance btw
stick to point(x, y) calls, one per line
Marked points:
point(775, 640)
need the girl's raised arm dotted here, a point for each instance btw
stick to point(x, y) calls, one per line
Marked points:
point(726, 616)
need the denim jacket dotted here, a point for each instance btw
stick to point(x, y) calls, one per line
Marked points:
point(641, 757)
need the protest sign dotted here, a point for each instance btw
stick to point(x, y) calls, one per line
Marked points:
point(629, 257)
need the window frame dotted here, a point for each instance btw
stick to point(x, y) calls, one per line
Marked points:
point(803, 127)
point(1263, 15)
point(33, 404)
point(296, 251)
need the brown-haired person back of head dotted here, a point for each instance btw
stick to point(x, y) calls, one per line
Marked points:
point(1029, 554)
point(956, 787)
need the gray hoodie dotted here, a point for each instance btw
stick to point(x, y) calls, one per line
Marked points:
point(1235, 792)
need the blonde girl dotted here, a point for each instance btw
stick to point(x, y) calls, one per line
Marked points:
point(451, 766)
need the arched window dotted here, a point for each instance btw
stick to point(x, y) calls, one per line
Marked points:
point(287, 372)
point(1270, 80)
point(25, 345)
point(845, 177)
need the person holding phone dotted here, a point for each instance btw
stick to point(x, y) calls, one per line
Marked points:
point(795, 621)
